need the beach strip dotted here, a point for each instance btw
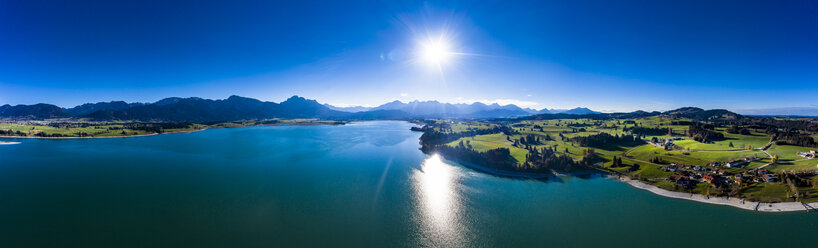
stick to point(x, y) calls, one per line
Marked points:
point(733, 202)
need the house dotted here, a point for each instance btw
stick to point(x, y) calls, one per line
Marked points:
point(736, 163)
point(708, 178)
point(769, 178)
point(806, 154)
point(683, 180)
point(720, 172)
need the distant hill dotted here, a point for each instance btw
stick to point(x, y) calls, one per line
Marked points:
point(435, 109)
point(36, 111)
point(687, 112)
point(593, 116)
point(233, 108)
point(194, 109)
point(702, 115)
point(351, 109)
point(577, 111)
point(380, 115)
point(94, 107)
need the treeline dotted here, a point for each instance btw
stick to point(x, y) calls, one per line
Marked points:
point(71, 124)
point(9, 132)
point(546, 159)
point(735, 129)
point(704, 133)
point(499, 158)
point(431, 138)
point(529, 139)
point(57, 135)
point(794, 140)
point(153, 127)
point(603, 140)
point(783, 124)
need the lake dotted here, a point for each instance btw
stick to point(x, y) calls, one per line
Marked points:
point(362, 184)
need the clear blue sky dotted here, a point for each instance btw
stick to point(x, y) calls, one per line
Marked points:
point(652, 55)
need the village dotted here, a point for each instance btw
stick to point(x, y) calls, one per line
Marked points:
point(715, 173)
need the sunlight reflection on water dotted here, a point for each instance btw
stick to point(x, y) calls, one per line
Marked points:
point(437, 194)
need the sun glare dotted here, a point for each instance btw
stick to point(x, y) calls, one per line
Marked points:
point(435, 52)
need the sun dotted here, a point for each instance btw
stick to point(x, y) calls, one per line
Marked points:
point(435, 52)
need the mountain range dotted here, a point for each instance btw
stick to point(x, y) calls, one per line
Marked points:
point(439, 109)
point(194, 109)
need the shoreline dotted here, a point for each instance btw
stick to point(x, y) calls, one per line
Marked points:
point(150, 134)
point(502, 173)
point(724, 201)
point(732, 202)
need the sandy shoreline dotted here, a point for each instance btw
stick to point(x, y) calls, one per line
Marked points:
point(733, 202)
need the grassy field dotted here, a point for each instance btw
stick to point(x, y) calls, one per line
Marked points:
point(693, 158)
point(787, 153)
point(767, 192)
point(558, 135)
point(96, 131)
point(809, 164)
point(484, 143)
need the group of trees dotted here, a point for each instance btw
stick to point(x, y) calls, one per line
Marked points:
point(499, 158)
point(704, 133)
point(772, 124)
point(544, 159)
point(603, 140)
point(528, 140)
point(9, 132)
point(735, 129)
point(794, 139)
point(617, 163)
point(56, 135)
point(153, 127)
point(432, 138)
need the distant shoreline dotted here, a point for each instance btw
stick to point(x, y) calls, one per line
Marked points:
point(151, 134)
point(732, 202)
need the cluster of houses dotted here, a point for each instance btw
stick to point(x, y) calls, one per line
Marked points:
point(689, 175)
point(733, 164)
point(666, 143)
point(810, 154)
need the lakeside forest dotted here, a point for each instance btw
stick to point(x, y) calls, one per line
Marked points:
point(709, 152)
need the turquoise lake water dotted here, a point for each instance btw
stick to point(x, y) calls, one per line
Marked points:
point(358, 185)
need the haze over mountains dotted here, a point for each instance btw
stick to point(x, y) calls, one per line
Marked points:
point(194, 109)
point(474, 109)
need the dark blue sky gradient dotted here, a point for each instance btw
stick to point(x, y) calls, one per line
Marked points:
point(607, 55)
